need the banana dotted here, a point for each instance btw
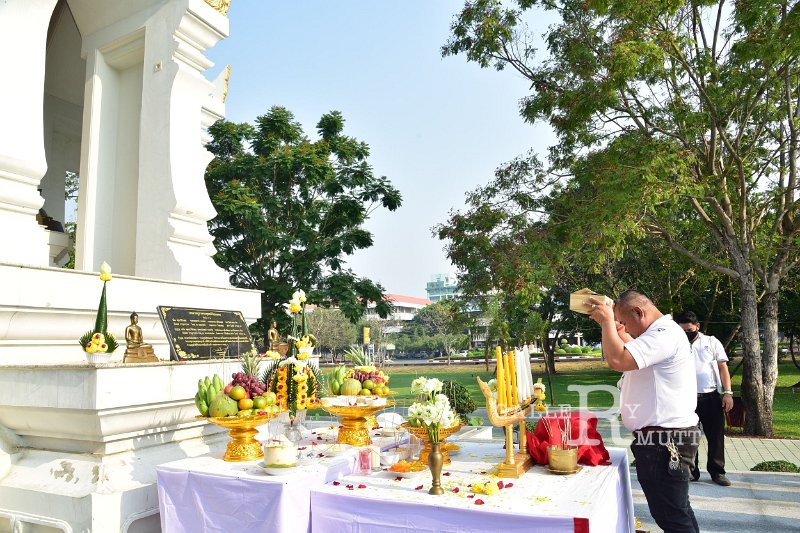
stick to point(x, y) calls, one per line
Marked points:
point(211, 393)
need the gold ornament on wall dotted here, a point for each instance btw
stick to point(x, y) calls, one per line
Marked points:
point(227, 79)
point(220, 5)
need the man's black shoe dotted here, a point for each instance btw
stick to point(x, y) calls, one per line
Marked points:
point(721, 480)
point(695, 476)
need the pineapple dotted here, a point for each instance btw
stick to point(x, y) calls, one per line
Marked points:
point(250, 362)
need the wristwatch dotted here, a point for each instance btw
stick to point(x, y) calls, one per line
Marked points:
point(728, 392)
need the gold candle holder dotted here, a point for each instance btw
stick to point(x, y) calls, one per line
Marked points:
point(516, 463)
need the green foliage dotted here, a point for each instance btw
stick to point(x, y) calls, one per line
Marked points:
point(460, 398)
point(290, 210)
point(776, 466)
point(332, 329)
point(677, 137)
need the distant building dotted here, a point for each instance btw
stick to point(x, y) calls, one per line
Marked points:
point(442, 287)
point(405, 307)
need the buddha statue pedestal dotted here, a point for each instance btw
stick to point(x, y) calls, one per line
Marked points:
point(140, 354)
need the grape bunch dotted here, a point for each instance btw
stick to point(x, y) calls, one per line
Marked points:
point(250, 383)
point(364, 376)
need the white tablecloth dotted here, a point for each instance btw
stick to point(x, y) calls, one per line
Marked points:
point(207, 494)
point(596, 499)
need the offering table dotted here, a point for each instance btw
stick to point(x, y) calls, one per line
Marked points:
point(596, 498)
point(209, 494)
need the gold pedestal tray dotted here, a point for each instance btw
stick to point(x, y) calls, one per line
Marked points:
point(421, 433)
point(243, 445)
point(354, 429)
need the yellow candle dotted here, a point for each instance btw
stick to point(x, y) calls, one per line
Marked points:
point(501, 377)
point(507, 384)
point(513, 369)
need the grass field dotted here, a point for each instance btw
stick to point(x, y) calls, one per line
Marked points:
point(786, 416)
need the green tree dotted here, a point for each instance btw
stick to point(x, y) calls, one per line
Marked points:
point(332, 329)
point(445, 324)
point(675, 119)
point(290, 210)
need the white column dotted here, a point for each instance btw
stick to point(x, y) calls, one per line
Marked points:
point(177, 105)
point(23, 39)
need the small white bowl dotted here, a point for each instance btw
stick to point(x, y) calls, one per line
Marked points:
point(389, 458)
point(98, 358)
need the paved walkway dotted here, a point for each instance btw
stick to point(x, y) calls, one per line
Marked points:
point(756, 502)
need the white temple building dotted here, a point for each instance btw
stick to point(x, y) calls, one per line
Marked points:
point(115, 92)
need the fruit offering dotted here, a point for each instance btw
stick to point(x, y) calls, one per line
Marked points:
point(215, 399)
point(358, 381)
point(251, 384)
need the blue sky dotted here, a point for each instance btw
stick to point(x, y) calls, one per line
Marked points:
point(437, 127)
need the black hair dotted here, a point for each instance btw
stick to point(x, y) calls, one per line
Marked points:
point(686, 317)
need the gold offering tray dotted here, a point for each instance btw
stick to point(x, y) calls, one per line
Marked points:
point(242, 431)
point(354, 430)
point(421, 433)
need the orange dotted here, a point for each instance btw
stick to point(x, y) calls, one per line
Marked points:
point(237, 393)
point(245, 403)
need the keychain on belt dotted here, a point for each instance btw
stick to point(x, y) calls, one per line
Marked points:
point(674, 456)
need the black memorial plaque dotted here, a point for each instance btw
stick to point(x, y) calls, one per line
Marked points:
point(205, 333)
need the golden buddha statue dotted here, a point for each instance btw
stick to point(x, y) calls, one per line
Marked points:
point(137, 351)
point(273, 336)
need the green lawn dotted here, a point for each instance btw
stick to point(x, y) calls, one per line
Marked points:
point(786, 416)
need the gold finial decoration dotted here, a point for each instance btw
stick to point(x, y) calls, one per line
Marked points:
point(227, 79)
point(220, 5)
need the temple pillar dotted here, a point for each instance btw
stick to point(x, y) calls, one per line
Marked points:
point(23, 30)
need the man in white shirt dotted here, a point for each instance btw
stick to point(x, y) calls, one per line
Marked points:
point(711, 365)
point(658, 402)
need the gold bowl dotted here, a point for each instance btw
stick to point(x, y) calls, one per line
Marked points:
point(354, 430)
point(562, 459)
point(242, 431)
point(421, 433)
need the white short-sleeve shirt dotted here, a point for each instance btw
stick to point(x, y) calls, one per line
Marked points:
point(708, 353)
point(663, 391)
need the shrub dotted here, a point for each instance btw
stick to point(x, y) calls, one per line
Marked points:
point(460, 398)
point(776, 466)
point(586, 349)
point(560, 351)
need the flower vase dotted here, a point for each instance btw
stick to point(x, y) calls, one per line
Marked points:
point(435, 462)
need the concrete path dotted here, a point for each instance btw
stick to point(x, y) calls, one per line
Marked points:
point(756, 502)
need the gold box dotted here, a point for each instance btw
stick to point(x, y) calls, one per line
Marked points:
point(562, 459)
point(579, 301)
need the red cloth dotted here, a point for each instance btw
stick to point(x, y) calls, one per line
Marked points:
point(591, 450)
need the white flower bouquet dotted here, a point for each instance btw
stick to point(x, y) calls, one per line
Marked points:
point(432, 411)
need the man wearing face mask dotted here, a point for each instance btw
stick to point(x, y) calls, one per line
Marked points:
point(711, 365)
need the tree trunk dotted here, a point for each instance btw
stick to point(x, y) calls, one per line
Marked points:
point(769, 356)
point(758, 420)
point(791, 350)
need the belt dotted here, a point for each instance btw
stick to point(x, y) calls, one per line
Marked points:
point(706, 394)
point(651, 429)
